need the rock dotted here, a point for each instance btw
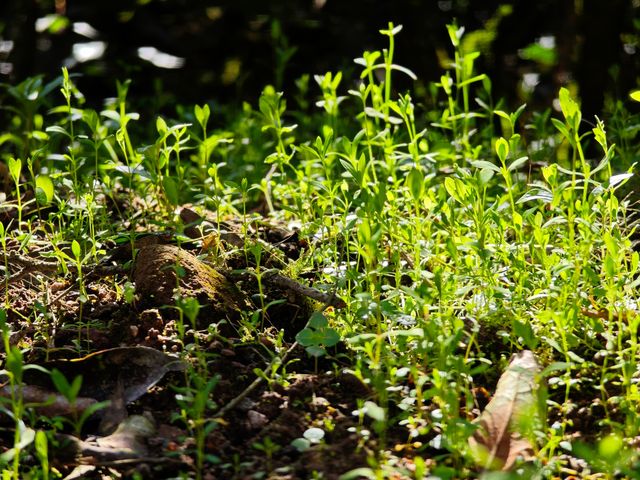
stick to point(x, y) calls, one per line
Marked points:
point(156, 280)
point(256, 420)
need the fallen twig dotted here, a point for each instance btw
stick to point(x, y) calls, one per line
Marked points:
point(329, 299)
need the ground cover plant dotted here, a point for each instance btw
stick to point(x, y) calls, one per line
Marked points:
point(360, 287)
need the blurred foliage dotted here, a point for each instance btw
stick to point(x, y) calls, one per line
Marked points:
point(227, 51)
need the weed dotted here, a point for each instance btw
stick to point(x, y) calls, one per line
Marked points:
point(459, 234)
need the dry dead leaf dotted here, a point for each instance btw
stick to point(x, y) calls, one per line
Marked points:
point(48, 403)
point(118, 375)
point(132, 369)
point(127, 442)
point(497, 443)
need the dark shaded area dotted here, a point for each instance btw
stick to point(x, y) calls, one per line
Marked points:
point(227, 51)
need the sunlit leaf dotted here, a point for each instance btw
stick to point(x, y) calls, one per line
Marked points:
point(498, 442)
point(27, 436)
point(75, 249)
point(374, 411)
point(15, 167)
point(44, 189)
point(314, 434)
point(502, 149)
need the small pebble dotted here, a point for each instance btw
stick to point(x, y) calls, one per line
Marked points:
point(256, 420)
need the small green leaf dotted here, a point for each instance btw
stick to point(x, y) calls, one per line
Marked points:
point(575, 357)
point(524, 330)
point(15, 167)
point(635, 95)
point(550, 172)
point(74, 390)
point(307, 337)
point(44, 189)
point(455, 34)
point(391, 31)
point(60, 382)
point(90, 117)
point(570, 108)
point(485, 175)
point(517, 163)
point(41, 448)
point(318, 320)
point(485, 164)
point(54, 23)
point(555, 367)
point(93, 408)
point(502, 149)
point(202, 114)
point(415, 182)
point(330, 337)
point(171, 190)
point(129, 292)
point(41, 196)
point(358, 474)
point(615, 180)
point(538, 53)
point(562, 128)
point(610, 446)
point(456, 188)
point(57, 129)
point(313, 434)
point(14, 363)
point(502, 114)
point(301, 444)
point(161, 126)
point(446, 81)
point(315, 351)
point(75, 249)
point(27, 436)
point(517, 219)
point(374, 411)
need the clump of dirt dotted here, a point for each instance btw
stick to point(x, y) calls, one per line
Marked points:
point(161, 269)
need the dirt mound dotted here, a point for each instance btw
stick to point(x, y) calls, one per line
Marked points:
point(163, 272)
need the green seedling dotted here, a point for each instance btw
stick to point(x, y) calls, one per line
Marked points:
point(269, 447)
point(457, 232)
point(317, 336)
point(70, 391)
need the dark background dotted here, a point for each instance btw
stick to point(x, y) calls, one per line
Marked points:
point(232, 49)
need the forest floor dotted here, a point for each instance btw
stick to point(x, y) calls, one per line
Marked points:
point(130, 352)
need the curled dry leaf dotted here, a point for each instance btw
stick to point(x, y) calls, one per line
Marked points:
point(127, 442)
point(118, 375)
point(133, 370)
point(497, 443)
point(49, 404)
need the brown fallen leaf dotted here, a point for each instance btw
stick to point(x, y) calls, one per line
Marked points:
point(48, 403)
point(118, 375)
point(497, 444)
point(127, 442)
point(131, 370)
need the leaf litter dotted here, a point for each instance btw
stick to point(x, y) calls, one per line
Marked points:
point(499, 440)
